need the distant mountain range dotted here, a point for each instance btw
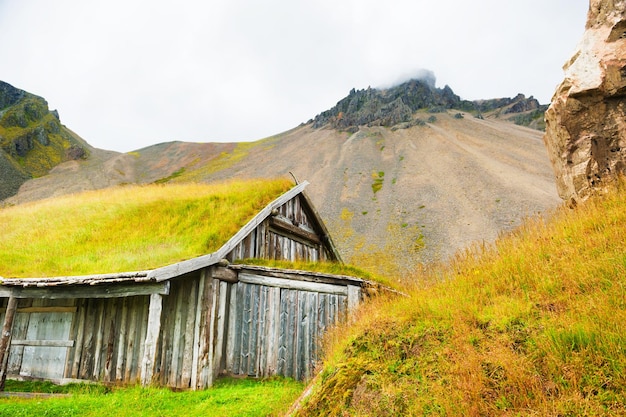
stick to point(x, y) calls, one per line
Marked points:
point(411, 173)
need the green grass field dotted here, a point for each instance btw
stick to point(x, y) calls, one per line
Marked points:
point(229, 397)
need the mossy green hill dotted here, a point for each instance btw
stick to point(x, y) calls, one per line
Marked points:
point(32, 139)
point(127, 228)
point(532, 326)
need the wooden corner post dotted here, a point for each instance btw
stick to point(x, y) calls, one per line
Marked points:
point(152, 337)
point(354, 297)
point(5, 340)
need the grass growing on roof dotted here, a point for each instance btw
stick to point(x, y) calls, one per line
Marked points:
point(127, 228)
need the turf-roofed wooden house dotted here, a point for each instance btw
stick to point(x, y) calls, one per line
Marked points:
point(183, 323)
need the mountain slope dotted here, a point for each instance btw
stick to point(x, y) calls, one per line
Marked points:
point(410, 192)
point(397, 106)
point(412, 195)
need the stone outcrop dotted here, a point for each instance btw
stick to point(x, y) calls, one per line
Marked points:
point(586, 124)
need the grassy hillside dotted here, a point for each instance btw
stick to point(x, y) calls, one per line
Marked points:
point(127, 228)
point(531, 326)
point(34, 138)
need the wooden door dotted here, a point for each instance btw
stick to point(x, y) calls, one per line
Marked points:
point(39, 344)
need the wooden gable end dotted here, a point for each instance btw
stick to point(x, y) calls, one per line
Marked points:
point(288, 228)
point(293, 232)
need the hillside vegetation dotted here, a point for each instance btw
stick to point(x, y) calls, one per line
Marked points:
point(127, 228)
point(533, 325)
point(32, 139)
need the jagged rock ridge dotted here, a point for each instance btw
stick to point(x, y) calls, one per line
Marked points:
point(586, 131)
point(397, 106)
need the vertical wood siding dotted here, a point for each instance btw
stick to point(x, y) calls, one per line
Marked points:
point(109, 335)
point(275, 331)
point(39, 324)
point(267, 243)
point(101, 339)
point(176, 345)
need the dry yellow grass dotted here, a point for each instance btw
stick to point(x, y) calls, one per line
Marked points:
point(531, 326)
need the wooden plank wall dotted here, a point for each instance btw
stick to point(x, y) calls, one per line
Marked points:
point(294, 211)
point(40, 337)
point(276, 331)
point(268, 243)
point(104, 341)
point(256, 326)
point(109, 335)
point(284, 247)
point(108, 339)
point(175, 355)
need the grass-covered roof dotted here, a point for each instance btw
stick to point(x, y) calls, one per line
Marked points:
point(127, 228)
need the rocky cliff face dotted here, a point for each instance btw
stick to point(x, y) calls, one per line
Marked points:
point(32, 139)
point(586, 127)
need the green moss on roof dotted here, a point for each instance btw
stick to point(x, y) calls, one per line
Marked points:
point(128, 228)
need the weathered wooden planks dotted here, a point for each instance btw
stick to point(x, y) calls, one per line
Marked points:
point(5, 338)
point(121, 342)
point(292, 284)
point(276, 330)
point(150, 350)
point(110, 290)
point(190, 324)
point(257, 321)
point(183, 324)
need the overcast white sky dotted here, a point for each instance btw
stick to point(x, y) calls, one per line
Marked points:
point(125, 74)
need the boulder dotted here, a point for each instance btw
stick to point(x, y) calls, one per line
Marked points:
point(585, 123)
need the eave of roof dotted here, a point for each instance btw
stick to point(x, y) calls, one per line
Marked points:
point(305, 275)
point(99, 279)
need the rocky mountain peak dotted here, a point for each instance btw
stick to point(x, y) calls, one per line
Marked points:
point(396, 106)
point(585, 133)
point(387, 107)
